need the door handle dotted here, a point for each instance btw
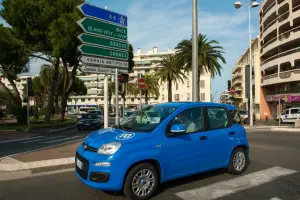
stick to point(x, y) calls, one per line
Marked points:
point(231, 133)
point(203, 138)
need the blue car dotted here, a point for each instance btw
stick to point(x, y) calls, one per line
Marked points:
point(136, 156)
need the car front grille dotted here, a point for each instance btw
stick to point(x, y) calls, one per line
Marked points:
point(85, 166)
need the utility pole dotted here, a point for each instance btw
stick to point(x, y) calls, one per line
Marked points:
point(105, 101)
point(117, 96)
point(195, 76)
point(28, 104)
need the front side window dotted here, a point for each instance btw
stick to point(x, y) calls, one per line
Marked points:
point(217, 118)
point(191, 119)
point(146, 119)
point(236, 119)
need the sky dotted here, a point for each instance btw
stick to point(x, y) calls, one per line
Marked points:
point(164, 23)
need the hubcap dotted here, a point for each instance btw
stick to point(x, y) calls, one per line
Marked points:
point(239, 161)
point(143, 182)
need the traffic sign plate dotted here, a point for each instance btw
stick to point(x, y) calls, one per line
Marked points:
point(105, 42)
point(101, 28)
point(141, 83)
point(99, 51)
point(103, 14)
point(102, 61)
point(101, 70)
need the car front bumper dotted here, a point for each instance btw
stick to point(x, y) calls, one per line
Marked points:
point(109, 178)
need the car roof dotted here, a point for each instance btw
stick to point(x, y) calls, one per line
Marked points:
point(188, 103)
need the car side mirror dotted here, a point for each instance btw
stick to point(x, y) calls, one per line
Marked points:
point(177, 129)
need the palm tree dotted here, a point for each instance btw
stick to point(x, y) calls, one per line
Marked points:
point(210, 55)
point(152, 86)
point(132, 89)
point(170, 71)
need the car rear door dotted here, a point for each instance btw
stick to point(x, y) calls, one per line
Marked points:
point(221, 136)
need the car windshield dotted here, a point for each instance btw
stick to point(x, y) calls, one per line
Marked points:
point(89, 116)
point(139, 122)
point(242, 112)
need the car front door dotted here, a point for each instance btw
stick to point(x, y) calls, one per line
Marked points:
point(185, 153)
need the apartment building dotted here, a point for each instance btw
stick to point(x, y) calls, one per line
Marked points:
point(241, 79)
point(280, 55)
point(145, 62)
point(225, 98)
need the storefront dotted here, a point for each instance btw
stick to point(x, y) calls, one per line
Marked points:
point(290, 101)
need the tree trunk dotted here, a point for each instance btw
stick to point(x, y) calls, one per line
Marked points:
point(56, 104)
point(109, 101)
point(52, 92)
point(68, 85)
point(146, 96)
point(169, 90)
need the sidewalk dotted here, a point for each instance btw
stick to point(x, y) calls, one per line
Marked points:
point(53, 158)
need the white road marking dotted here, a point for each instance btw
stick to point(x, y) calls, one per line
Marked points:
point(224, 188)
point(49, 138)
point(275, 198)
point(52, 141)
point(17, 140)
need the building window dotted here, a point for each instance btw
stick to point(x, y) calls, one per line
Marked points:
point(89, 99)
point(176, 86)
point(102, 99)
point(132, 99)
point(176, 97)
point(202, 84)
point(188, 96)
point(202, 97)
point(188, 84)
point(82, 100)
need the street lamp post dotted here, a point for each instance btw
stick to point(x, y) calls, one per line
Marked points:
point(195, 76)
point(252, 4)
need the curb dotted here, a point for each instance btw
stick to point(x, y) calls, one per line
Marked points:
point(265, 127)
point(286, 129)
point(61, 129)
point(36, 164)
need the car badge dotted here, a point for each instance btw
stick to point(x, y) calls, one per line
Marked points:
point(85, 147)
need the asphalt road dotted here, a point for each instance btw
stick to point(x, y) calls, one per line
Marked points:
point(44, 141)
point(273, 175)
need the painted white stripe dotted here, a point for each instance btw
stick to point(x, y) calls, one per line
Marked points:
point(52, 141)
point(224, 188)
point(275, 198)
point(17, 140)
point(49, 138)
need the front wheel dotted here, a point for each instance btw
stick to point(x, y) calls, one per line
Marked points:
point(141, 182)
point(238, 161)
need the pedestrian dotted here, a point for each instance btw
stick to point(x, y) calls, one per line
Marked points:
point(267, 119)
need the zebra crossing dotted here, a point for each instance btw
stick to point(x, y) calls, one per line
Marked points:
point(233, 188)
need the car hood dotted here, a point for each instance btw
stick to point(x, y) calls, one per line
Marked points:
point(104, 136)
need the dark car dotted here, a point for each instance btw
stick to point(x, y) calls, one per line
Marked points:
point(89, 121)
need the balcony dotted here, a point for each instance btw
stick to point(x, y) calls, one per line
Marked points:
point(287, 56)
point(269, 11)
point(269, 45)
point(237, 82)
point(287, 76)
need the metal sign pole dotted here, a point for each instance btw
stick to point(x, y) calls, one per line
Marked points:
point(105, 101)
point(279, 112)
point(117, 97)
point(28, 104)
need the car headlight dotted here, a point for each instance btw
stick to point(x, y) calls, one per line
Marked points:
point(110, 148)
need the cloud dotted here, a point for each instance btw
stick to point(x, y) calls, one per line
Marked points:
point(165, 23)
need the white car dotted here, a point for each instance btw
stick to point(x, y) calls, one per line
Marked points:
point(290, 115)
point(99, 113)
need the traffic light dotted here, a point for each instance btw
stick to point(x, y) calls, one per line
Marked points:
point(29, 87)
point(123, 78)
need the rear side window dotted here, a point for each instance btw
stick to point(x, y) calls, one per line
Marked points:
point(217, 118)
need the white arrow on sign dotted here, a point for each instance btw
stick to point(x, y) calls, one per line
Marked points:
point(104, 62)
point(101, 70)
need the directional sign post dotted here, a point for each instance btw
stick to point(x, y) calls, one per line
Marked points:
point(102, 61)
point(105, 46)
point(104, 42)
point(99, 51)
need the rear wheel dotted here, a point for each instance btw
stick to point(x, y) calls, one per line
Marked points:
point(141, 182)
point(238, 161)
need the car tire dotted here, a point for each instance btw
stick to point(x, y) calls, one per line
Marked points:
point(238, 161)
point(145, 173)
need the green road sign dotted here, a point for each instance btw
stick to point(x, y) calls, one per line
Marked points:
point(99, 51)
point(112, 43)
point(103, 28)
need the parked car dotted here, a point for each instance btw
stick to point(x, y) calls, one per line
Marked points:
point(97, 112)
point(136, 157)
point(89, 121)
point(289, 115)
point(244, 116)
